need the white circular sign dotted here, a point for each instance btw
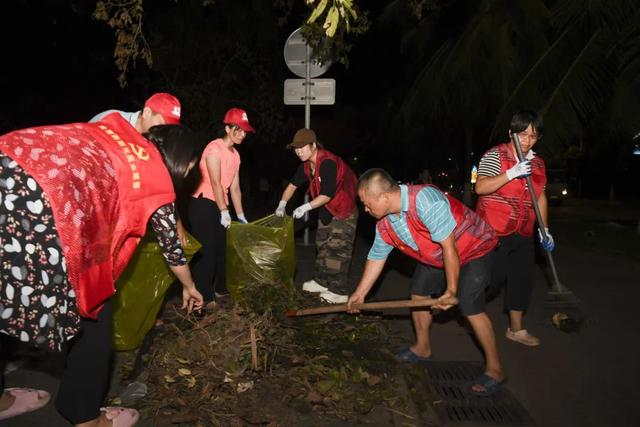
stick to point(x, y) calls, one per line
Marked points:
point(295, 54)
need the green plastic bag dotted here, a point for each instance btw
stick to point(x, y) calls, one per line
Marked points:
point(261, 262)
point(140, 292)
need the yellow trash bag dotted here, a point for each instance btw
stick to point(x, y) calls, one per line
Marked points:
point(261, 262)
point(140, 292)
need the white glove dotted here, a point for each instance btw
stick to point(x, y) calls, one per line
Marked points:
point(280, 211)
point(519, 170)
point(225, 218)
point(548, 243)
point(301, 210)
point(242, 218)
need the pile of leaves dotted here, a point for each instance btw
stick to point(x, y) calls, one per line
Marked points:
point(267, 296)
point(238, 367)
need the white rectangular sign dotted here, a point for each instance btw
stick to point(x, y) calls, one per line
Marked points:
point(323, 91)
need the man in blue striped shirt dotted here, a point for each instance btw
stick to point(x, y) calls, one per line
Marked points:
point(453, 246)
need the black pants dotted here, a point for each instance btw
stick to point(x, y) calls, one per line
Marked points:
point(85, 379)
point(512, 270)
point(472, 283)
point(4, 357)
point(208, 269)
point(8, 347)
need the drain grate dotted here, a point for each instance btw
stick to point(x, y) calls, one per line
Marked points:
point(451, 381)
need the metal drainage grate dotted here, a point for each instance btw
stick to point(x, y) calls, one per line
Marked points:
point(452, 381)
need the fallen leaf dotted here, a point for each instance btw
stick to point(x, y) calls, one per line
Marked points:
point(191, 381)
point(242, 387)
point(184, 372)
point(325, 385)
point(314, 397)
point(169, 379)
point(373, 380)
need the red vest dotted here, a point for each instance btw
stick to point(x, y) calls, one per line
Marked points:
point(103, 181)
point(343, 203)
point(509, 210)
point(474, 237)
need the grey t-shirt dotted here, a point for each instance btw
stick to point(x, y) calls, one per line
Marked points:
point(132, 118)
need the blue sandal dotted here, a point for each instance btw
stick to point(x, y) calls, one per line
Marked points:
point(408, 356)
point(491, 385)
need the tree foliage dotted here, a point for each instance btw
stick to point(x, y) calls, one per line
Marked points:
point(326, 29)
point(212, 63)
point(125, 18)
point(568, 59)
point(582, 77)
point(478, 65)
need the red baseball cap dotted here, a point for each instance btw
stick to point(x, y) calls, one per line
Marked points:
point(238, 117)
point(166, 105)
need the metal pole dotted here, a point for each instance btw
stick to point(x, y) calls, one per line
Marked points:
point(307, 124)
point(556, 287)
point(307, 87)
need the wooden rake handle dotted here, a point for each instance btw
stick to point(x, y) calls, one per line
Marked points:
point(378, 305)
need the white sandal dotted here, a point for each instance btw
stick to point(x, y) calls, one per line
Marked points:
point(523, 337)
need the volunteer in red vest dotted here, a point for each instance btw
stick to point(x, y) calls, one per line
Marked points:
point(159, 109)
point(505, 203)
point(332, 189)
point(452, 246)
point(209, 207)
point(75, 201)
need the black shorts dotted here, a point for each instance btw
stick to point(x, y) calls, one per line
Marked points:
point(472, 284)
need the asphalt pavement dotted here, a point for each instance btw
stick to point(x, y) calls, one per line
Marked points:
point(585, 378)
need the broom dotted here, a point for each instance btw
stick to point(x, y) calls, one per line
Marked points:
point(559, 295)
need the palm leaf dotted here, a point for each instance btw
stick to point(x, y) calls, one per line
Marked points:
point(579, 93)
point(630, 51)
point(613, 14)
point(476, 68)
point(574, 78)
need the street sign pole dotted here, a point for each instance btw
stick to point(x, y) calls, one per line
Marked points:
point(307, 88)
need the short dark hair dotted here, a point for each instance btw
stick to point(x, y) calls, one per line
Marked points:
point(383, 182)
point(178, 146)
point(523, 118)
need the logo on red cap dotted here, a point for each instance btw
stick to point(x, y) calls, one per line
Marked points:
point(166, 105)
point(238, 117)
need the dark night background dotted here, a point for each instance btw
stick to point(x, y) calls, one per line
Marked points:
point(430, 85)
point(418, 92)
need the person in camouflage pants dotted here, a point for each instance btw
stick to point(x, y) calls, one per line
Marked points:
point(334, 245)
point(332, 189)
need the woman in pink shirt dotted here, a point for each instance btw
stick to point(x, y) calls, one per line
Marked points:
point(209, 207)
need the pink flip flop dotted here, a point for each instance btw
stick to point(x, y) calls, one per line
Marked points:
point(121, 417)
point(27, 400)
